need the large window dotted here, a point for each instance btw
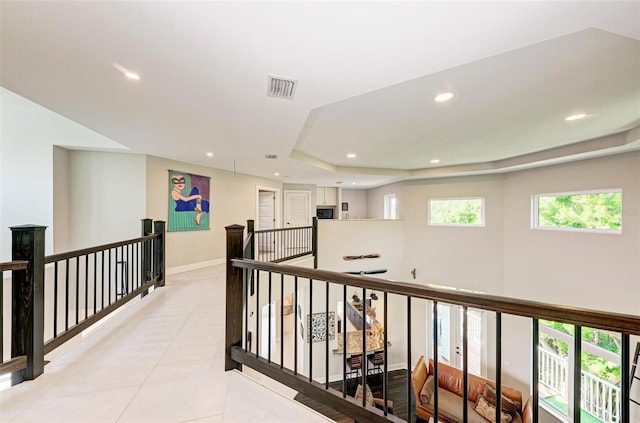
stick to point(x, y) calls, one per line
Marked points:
point(390, 206)
point(456, 211)
point(589, 211)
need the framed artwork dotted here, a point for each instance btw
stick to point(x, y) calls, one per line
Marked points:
point(345, 206)
point(189, 202)
point(319, 327)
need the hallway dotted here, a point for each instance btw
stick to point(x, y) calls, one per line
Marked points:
point(156, 360)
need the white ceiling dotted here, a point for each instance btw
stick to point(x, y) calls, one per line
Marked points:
point(367, 73)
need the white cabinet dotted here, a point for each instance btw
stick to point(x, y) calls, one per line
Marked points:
point(326, 196)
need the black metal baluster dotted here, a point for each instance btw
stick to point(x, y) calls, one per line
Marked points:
point(408, 359)
point(435, 361)
point(577, 373)
point(66, 298)
point(1, 317)
point(281, 321)
point(363, 362)
point(95, 281)
point(269, 323)
point(498, 366)
point(465, 364)
point(86, 286)
point(535, 368)
point(55, 299)
point(109, 282)
point(295, 326)
point(326, 338)
point(102, 281)
point(77, 288)
point(385, 376)
point(245, 287)
point(344, 341)
point(309, 331)
point(258, 313)
point(625, 382)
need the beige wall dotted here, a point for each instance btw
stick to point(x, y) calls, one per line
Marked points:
point(233, 201)
point(358, 203)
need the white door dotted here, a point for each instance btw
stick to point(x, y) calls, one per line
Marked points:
point(297, 208)
point(450, 337)
point(266, 219)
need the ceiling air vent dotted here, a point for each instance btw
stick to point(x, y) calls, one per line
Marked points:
point(270, 156)
point(281, 87)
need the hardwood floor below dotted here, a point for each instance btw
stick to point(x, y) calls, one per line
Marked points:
point(396, 392)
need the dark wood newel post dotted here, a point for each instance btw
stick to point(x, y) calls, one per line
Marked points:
point(251, 235)
point(233, 331)
point(147, 229)
point(159, 251)
point(27, 317)
point(315, 242)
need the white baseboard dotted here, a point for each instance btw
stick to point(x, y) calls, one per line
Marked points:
point(194, 266)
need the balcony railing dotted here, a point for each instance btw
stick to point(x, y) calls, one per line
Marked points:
point(598, 397)
point(244, 332)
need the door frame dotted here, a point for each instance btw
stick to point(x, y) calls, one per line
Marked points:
point(276, 206)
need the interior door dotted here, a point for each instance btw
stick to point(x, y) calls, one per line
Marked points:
point(266, 219)
point(297, 208)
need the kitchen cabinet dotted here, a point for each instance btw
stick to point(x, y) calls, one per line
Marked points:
point(326, 196)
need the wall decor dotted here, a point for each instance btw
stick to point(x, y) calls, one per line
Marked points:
point(345, 206)
point(189, 206)
point(319, 326)
point(364, 256)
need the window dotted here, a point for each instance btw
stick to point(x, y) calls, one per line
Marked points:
point(588, 211)
point(390, 206)
point(456, 211)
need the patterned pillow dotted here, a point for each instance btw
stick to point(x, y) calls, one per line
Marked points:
point(508, 405)
point(369, 394)
point(488, 411)
point(427, 391)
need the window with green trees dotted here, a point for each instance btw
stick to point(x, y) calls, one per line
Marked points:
point(456, 211)
point(586, 211)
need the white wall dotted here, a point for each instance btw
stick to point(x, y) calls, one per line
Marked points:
point(61, 200)
point(358, 203)
point(107, 197)
point(28, 133)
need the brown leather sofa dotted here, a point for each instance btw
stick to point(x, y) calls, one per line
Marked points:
point(450, 382)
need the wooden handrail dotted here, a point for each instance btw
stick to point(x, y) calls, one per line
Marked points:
point(77, 253)
point(14, 265)
point(596, 319)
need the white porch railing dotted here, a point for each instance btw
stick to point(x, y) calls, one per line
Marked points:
point(598, 397)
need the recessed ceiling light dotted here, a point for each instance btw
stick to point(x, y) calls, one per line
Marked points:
point(351, 156)
point(127, 72)
point(353, 183)
point(210, 154)
point(277, 174)
point(339, 182)
point(443, 97)
point(577, 116)
point(434, 161)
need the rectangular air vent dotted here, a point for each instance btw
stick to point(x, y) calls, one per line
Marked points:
point(281, 87)
point(270, 156)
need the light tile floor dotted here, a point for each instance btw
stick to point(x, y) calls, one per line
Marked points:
point(159, 359)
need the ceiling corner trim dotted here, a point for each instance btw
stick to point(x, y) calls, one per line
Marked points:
point(310, 160)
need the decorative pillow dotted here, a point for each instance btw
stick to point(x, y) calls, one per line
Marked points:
point(508, 405)
point(488, 411)
point(369, 395)
point(427, 391)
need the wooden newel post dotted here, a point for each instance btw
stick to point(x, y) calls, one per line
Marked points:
point(27, 316)
point(159, 251)
point(146, 229)
point(252, 237)
point(233, 331)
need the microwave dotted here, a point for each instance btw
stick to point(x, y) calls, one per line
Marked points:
point(324, 213)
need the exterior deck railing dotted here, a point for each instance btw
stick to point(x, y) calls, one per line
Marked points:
point(245, 309)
